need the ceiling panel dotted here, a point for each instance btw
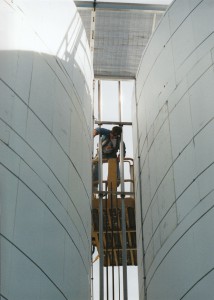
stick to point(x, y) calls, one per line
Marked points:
point(119, 35)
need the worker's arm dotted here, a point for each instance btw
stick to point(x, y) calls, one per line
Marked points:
point(124, 149)
point(102, 131)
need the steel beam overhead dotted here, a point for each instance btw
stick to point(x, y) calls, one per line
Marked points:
point(122, 6)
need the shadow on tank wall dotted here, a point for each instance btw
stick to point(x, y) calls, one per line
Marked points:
point(45, 175)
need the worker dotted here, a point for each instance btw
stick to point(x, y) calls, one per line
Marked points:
point(110, 140)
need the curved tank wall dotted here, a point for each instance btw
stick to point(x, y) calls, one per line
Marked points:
point(174, 147)
point(45, 151)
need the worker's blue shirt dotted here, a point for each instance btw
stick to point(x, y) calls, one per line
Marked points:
point(105, 133)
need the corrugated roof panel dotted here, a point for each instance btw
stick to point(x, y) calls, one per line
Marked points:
point(121, 33)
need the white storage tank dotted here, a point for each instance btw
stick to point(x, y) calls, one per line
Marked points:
point(45, 151)
point(174, 156)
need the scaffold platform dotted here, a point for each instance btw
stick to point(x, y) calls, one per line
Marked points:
point(112, 220)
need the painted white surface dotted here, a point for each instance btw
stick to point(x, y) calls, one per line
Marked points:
point(175, 90)
point(45, 151)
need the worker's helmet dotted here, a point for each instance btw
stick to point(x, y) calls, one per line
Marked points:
point(116, 130)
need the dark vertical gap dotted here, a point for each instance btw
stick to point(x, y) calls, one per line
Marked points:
point(112, 244)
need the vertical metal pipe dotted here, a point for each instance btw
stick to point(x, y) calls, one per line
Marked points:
point(119, 102)
point(119, 281)
point(118, 234)
point(123, 209)
point(100, 198)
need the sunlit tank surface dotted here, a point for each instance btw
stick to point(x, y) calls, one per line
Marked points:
point(45, 151)
point(174, 142)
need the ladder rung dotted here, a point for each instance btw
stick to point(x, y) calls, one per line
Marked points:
point(112, 123)
point(113, 193)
